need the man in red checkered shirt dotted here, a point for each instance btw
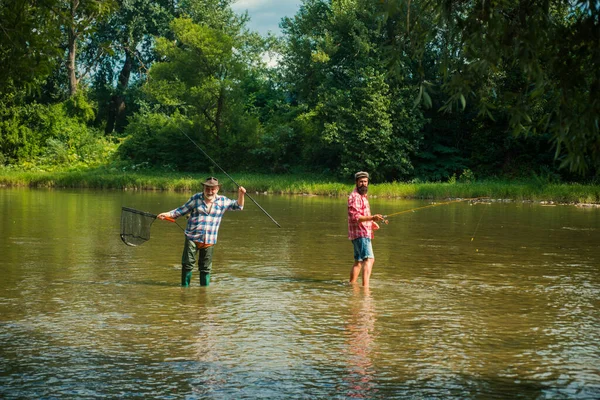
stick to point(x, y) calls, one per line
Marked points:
point(360, 229)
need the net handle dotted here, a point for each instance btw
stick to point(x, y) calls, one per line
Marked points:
point(146, 214)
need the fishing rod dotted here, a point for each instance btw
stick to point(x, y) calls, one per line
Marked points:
point(385, 217)
point(433, 205)
point(229, 176)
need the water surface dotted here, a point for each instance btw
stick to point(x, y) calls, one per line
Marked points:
point(467, 301)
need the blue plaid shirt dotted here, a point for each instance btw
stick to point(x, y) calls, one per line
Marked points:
point(203, 225)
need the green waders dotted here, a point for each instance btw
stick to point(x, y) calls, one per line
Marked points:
point(188, 262)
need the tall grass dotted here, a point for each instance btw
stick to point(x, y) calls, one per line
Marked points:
point(105, 178)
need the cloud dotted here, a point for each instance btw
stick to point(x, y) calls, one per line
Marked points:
point(265, 15)
point(252, 4)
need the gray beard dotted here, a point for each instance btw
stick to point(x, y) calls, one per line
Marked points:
point(362, 190)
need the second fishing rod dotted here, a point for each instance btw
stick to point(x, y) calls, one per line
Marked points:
point(472, 199)
point(433, 205)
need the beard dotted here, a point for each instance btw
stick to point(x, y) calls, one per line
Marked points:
point(210, 196)
point(362, 190)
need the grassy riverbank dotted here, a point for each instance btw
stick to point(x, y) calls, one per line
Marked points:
point(107, 178)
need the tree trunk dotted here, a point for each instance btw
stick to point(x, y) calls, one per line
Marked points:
point(116, 111)
point(71, 62)
point(112, 116)
point(219, 112)
point(72, 47)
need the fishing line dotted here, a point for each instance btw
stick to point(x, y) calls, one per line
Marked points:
point(222, 170)
point(478, 223)
point(433, 205)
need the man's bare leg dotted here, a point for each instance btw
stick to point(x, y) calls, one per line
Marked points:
point(366, 271)
point(355, 271)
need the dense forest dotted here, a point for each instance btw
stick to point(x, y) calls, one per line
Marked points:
point(412, 90)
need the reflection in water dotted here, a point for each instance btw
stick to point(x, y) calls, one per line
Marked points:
point(207, 344)
point(360, 332)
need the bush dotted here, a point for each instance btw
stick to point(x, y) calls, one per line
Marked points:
point(153, 138)
point(55, 134)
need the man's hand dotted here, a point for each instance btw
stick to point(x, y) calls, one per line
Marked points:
point(164, 215)
point(377, 217)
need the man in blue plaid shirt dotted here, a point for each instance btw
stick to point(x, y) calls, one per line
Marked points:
point(206, 210)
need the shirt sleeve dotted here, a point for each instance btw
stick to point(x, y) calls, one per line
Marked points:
point(354, 208)
point(232, 205)
point(184, 209)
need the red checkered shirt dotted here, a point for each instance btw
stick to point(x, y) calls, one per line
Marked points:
point(203, 225)
point(358, 205)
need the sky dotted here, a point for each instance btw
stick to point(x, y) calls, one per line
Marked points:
point(265, 15)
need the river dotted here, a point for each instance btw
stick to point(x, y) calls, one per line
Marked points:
point(467, 301)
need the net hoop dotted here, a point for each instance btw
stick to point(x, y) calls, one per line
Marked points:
point(134, 211)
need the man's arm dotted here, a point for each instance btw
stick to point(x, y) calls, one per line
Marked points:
point(355, 213)
point(178, 212)
point(365, 218)
point(241, 193)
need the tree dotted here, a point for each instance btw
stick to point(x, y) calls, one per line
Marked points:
point(29, 43)
point(553, 44)
point(36, 125)
point(201, 79)
point(195, 73)
point(361, 116)
point(129, 35)
point(80, 19)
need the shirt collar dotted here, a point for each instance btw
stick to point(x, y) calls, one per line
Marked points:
point(204, 202)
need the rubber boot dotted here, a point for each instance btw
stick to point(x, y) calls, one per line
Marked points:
point(186, 277)
point(204, 279)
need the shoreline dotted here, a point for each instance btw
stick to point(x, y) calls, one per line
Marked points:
point(536, 191)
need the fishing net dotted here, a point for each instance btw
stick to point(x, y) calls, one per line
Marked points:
point(135, 226)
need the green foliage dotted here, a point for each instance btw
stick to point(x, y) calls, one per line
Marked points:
point(80, 21)
point(467, 176)
point(118, 177)
point(195, 74)
point(80, 108)
point(548, 49)
point(124, 43)
point(360, 85)
point(205, 74)
point(153, 138)
point(52, 135)
point(438, 162)
point(356, 120)
point(29, 43)
point(279, 150)
point(359, 117)
point(18, 141)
